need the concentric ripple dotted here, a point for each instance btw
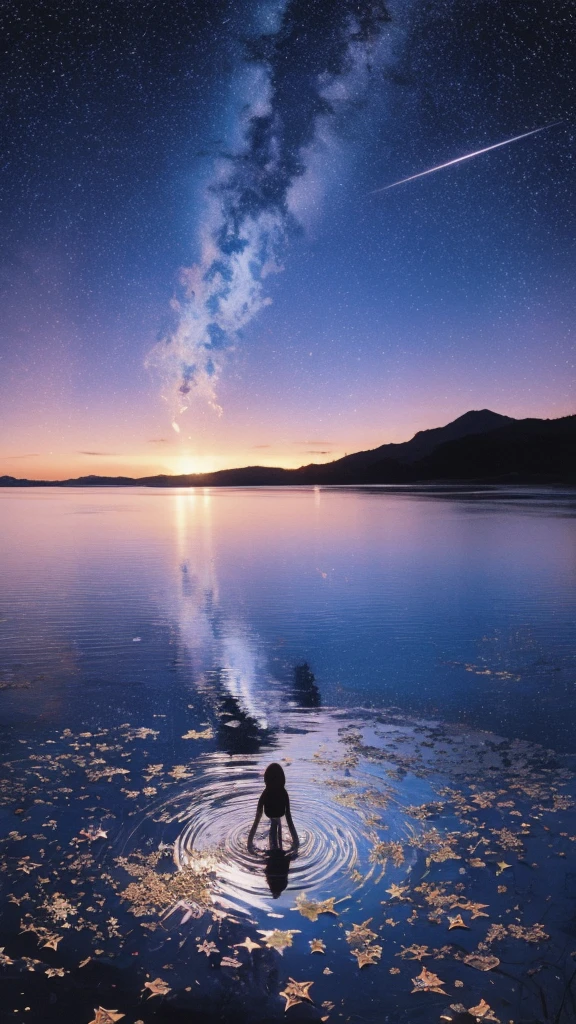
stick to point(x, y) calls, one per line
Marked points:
point(219, 822)
point(350, 824)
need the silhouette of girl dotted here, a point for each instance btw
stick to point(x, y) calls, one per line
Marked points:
point(275, 804)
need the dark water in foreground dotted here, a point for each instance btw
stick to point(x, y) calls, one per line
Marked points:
point(408, 656)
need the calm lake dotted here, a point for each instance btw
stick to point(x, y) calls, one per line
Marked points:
point(407, 655)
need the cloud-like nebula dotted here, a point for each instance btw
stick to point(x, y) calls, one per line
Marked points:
point(303, 75)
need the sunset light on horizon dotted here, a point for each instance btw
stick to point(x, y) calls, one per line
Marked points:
point(222, 282)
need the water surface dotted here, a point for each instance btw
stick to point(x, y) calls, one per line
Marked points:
point(408, 655)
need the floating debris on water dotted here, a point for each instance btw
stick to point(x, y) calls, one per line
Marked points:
point(418, 844)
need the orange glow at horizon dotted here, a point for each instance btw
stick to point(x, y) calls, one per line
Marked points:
point(66, 465)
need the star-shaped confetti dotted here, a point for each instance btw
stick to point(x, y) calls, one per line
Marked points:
point(414, 952)
point(158, 987)
point(312, 908)
point(207, 947)
point(428, 982)
point(295, 992)
point(277, 939)
point(248, 944)
point(397, 891)
point(360, 934)
point(367, 955)
point(476, 909)
point(317, 946)
point(103, 1016)
point(456, 922)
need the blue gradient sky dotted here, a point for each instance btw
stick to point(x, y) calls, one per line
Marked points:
point(130, 140)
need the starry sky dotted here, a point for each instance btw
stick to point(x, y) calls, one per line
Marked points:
point(195, 269)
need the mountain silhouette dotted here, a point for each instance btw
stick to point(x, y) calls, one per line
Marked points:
point(480, 446)
point(425, 441)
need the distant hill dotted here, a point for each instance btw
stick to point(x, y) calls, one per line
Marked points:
point(480, 446)
point(425, 441)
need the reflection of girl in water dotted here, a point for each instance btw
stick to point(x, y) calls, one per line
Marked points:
point(275, 804)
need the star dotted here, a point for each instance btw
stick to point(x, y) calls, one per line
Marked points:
point(157, 987)
point(475, 908)
point(248, 944)
point(397, 891)
point(52, 942)
point(312, 908)
point(278, 939)
point(428, 982)
point(317, 946)
point(106, 1016)
point(456, 922)
point(502, 865)
point(414, 952)
point(368, 955)
point(207, 947)
point(295, 992)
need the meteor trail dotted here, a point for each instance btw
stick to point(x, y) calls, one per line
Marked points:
point(468, 156)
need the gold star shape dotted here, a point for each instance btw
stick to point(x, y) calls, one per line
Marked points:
point(456, 922)
point(52, 942)
point(103, 1016)
point(312, 908)
point(397, 891)
point(475, 908)
point(368, 955)
point(248, 944)
point(277, 939)
point(317, 946)
point(428, 982)
point(207, 947)
point(360, 934)
point(157, 987)
point(295, 992)
point(414, 952)
point(501, 866)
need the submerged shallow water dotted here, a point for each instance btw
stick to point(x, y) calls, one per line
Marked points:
point(407, 656)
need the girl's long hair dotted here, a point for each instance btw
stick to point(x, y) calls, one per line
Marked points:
point(274, 777)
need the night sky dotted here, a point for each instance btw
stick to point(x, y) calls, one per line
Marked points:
point(194, 270)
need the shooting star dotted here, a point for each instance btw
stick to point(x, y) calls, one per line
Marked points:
point(467, 156)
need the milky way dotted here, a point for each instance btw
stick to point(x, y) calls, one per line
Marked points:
point(238, 140)
point(316, 61)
